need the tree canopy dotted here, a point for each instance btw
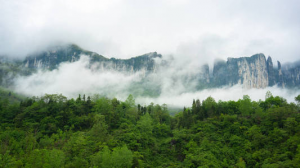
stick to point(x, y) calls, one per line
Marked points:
point(53, 131)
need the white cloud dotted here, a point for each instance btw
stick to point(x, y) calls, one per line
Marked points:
point(194, 32)
point(225, 94)
point(125, 28)
point(75, 78)
point(71, 79)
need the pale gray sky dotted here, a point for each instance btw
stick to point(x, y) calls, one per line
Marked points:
point(189, 29)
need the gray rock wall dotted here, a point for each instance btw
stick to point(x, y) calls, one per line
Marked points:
point(250, 72)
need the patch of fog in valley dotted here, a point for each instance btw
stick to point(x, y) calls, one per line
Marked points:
point(176, 84)
point(71, 79)
point(225, 94)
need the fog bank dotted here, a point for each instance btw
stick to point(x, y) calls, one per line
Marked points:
point(75, 78)
point(176, 89)
point(224, 94)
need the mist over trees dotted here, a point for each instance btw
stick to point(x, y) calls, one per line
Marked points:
point(53, 131)
point(140, 84)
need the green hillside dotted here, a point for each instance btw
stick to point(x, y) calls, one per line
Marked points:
point(10, 96)
point(53, 131)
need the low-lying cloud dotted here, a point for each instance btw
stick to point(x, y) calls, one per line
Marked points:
point(71, 79)
point(75, 78)
point(224, 94)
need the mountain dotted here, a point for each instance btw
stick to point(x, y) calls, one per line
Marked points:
point(250, 72)
point(289, 74)
point(53, 57)
point(255, 72)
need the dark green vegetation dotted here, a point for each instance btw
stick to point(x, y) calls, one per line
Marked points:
point(9, 96)
point(52, 131)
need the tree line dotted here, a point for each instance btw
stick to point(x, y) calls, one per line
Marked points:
point(53, 131)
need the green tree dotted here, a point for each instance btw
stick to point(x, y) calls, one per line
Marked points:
point(120, 157)
point(241, 163)
point(145, 126)
point(298, 99)
point(130, 101)
point(268, 95)
point(99, 130)
point(194, 107)
point(245, 106)
point(46, 158)
point(209, 107)
point(7, 161)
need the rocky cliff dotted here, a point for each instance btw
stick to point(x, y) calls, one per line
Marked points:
point(254, 72)
point(271, 72)
point(70, 53)
point(51, 58)
point(250, 72)
point(290, 75)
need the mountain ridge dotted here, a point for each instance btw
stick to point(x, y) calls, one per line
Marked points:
point(256, 71)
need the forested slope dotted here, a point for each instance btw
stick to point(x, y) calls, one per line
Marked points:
point(53, 131)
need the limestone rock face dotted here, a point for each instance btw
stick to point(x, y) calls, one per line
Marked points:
point(255, 72)
point(220, 73)
point(204, 76)
point(51, 58)
point(291, 75)
point(144, 63)
point(280, 76)
point(271, 71)
point(251, 72)
point(71, 53)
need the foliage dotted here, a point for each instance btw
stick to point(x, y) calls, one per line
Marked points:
point(53, 131)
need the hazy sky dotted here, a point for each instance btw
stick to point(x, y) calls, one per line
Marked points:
point(125, 28)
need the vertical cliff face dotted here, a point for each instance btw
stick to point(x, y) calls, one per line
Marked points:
point(296, 76)
point(251, 72)
point(220, 73)
point(71, 53)
point(279, 76)
point(54, 56)
point(255, 72)
point(291, 75)
point(271, 72)
point(205, 74)
point(145, 63)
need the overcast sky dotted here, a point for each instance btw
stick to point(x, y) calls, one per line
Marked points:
point(184, 28)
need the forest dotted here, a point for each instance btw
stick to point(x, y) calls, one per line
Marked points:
point(54, 131)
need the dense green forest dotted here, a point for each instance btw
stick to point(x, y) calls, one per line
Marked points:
point(53, 131)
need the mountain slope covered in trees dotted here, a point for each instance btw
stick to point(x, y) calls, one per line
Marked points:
point(53, 131)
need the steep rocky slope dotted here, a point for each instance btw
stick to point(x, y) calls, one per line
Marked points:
point(70, 53)
point(250, 72)
point(255, 72)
